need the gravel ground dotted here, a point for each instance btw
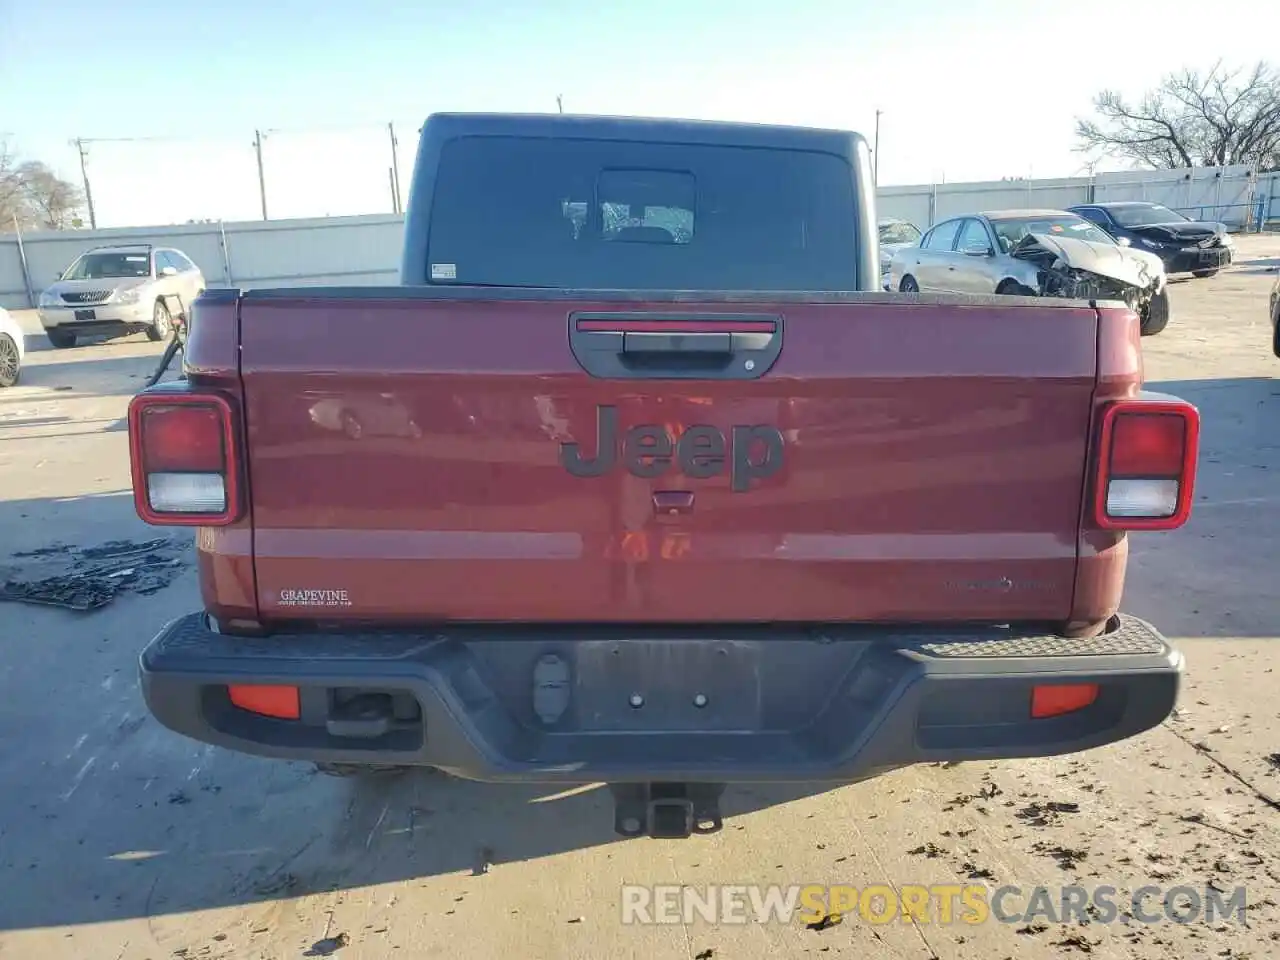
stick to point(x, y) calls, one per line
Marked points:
point(119, 840)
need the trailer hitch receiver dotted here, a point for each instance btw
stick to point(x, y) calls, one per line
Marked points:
point(668, 811)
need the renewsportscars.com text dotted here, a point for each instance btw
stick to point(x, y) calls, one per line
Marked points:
point(968, 904)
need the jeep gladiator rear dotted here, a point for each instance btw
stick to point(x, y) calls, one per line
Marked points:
point(636, 478)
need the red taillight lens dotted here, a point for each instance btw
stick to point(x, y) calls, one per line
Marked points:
point(183, 437)
point(1146, 464)
point(1148, 445)
point(183, 453)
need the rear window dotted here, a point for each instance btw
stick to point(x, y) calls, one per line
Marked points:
point(596, 214)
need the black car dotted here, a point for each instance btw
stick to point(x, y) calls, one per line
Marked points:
point(1186, 246)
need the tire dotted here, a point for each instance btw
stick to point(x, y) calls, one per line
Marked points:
point(379, 771)
point(908, 285)
point(1012, 288)
point(60, 339)
point(1204, 273)
point(1275, 331)
point(10, 363)
point(1157, 317)
point(161, 323)
point(351, 426)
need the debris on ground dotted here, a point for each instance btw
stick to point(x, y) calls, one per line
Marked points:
point(89, 578)
point(328, 946)
point(179, 798)
point(706, 954)
point(825, 922)
point(976, 872)
point(1076, 941)
point(930, 850)
point(1046, 813)
point(1068, 858)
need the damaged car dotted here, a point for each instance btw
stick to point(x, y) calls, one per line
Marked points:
point(1044, 253)
point(1198, 247)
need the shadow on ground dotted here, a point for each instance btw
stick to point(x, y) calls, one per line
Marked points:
point(119, 818)
point(81, 373)
point(1224, 559)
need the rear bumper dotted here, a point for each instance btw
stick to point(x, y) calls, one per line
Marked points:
point(95, 317)
point(586, 705)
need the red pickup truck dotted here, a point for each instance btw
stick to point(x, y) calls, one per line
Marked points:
point(637, 478)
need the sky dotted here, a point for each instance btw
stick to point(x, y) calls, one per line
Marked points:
point(968, 89)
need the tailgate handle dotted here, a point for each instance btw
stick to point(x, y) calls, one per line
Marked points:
point(642, 344)
point(663, 344)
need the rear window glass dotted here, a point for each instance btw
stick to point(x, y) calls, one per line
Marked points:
point(566, 213)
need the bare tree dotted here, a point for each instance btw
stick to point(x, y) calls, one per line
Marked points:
point(33, 195)
point(1214, 118)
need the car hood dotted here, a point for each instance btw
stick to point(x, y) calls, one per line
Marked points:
point(1136, 267)
point(1184, 231)
point(887, 250)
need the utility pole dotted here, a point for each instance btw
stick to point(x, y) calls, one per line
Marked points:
point(395, 171)
point(262, 178)
point(875, 154)
point(560, 102)
point(84, 178)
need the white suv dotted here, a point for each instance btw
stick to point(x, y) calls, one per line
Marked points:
point(120, 289)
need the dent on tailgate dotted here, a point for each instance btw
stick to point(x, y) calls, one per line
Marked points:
point(931, 465)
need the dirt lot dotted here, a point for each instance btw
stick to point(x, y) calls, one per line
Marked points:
point(119, 840)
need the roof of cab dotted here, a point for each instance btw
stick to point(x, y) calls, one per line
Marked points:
point(654, 130)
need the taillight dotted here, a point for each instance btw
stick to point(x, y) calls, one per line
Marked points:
point(1146, 464)
point(183, 453)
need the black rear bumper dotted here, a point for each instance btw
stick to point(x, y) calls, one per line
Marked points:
point(586, 704)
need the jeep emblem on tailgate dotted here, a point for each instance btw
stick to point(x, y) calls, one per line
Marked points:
point(753, 452)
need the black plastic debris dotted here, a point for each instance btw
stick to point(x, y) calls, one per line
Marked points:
point(89, 578)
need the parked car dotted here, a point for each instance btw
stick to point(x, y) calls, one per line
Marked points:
point(1049, 253)
point(1275, 316)
point(1198, 247)
point(13, 349)
point(121, 289)
point(894, 235)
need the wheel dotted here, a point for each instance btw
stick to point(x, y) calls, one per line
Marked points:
point(10, 363)
point(1012, 288)
point(161, 323)
point(381, 771)
point(352, 427)
point(909, 285)
point(1157, 317)
point(60, 339)
point(1203, 273)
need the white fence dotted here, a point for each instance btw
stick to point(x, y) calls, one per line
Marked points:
point(366, 249)
point(331, 250)
point(1227, 194)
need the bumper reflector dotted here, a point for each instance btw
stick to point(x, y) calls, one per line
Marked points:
point(279, 702)
point(1055, 699)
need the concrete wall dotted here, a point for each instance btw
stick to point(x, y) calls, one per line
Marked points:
point(366, 250)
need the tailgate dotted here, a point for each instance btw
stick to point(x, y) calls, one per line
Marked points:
point(415, 458)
